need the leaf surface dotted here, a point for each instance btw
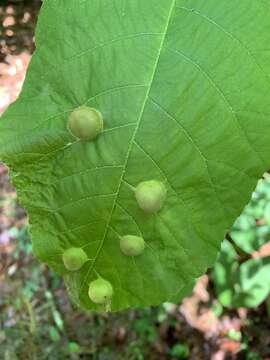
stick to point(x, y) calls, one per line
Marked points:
point(184, 90)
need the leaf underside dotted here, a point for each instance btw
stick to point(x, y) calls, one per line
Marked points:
point(184, 90)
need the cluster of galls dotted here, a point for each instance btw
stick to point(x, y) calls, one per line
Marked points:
point(86, 124)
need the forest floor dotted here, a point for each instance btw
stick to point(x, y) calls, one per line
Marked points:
point(37, 320)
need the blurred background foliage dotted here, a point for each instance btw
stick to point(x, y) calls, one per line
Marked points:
point(18, 20)
point(241, 274)
point(226, 316)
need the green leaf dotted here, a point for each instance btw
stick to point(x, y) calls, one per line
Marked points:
point(240, 285)
point(267, 214)
point(246, 240)
point(245, 222)
point(183, 88)
point(225, 273)
point(253, 284)
point(54, 334)
point(246, 233)
point(234, 335)
point(180, 351)
point(74, 348)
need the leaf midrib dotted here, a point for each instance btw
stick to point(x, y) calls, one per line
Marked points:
point(133, 137)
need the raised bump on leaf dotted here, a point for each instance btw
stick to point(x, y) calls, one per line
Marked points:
point(100, 291)
point(151, 195)
point(132, 245)
point(85, 123)
point(74, 258)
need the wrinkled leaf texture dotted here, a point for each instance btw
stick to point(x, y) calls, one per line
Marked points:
point(184, 89)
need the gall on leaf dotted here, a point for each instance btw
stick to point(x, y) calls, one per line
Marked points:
point(74, 258)
point(85, 123)
point(132, 245)
point(100, 291)
point(151, 195)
